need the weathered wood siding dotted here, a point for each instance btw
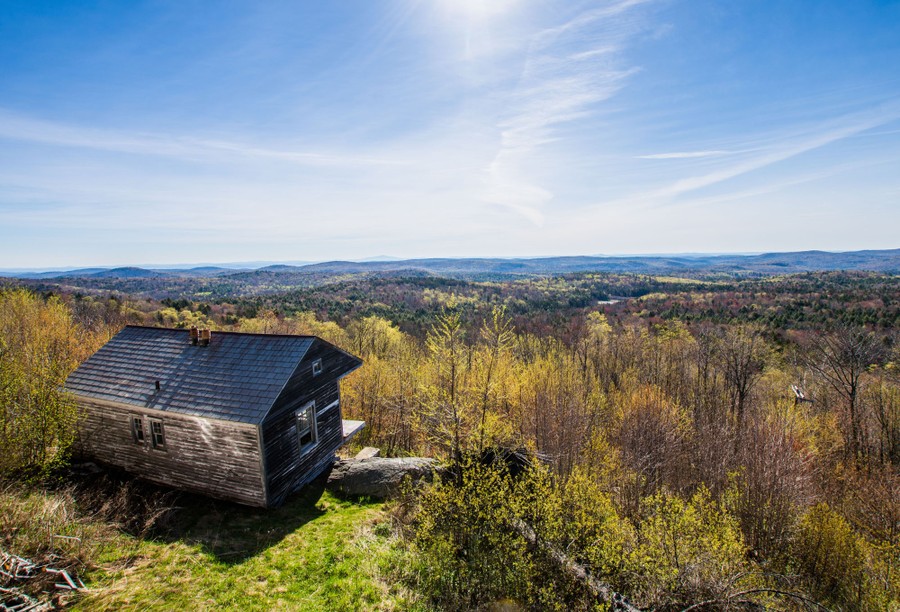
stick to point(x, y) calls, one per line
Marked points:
point(286, 468)
point(210, 456)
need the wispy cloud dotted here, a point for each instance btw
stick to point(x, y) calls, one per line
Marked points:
point(755, 152)
point(14, 126)
point(569, 69)
point(792, 146)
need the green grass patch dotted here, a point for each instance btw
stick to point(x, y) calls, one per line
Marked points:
point(317, 552)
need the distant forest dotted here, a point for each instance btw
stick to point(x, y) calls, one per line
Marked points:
point(536, 303)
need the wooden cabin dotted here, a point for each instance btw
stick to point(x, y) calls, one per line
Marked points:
point(249, 418)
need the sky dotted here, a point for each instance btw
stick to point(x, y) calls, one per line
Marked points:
point(187, 131)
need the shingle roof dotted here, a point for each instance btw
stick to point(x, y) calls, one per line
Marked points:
point(237, 377)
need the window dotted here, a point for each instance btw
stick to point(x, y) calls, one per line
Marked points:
point(317, 367)
point(157, 435)
point(306, 427)
point(137, 429)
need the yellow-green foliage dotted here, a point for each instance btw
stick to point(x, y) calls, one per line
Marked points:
point(843, 568)
point(303, 323)
point(39, 346)
point(306, 323)
point(184, 318)
point(469, 552)
point(624, 414)
point(466, 548)
point(688, 550)
point(448, 299)
point(579, 517)
point(374, 336)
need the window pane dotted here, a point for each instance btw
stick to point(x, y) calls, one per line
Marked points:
point(303, 419)
point(306, 426)
point(156, 432)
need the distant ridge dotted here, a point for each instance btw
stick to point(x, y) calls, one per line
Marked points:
point(767, 263)
point(128, 273)
point(886, 261)
point(58, 273)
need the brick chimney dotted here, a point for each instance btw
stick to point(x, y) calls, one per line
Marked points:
point(195, 334)
point(205, 337)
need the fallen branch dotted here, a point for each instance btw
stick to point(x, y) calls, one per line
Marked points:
point(70, 585)
point(600, 590)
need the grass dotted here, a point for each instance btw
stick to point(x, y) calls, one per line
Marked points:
point(317, 552)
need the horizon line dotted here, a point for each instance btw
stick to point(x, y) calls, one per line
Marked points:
point(258, 264)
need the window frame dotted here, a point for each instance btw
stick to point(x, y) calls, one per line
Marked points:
point(137, 430)
point(317, 367)
point(312, 430)
point(161, 445)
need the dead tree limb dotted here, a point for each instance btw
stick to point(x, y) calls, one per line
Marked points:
point(600, 590)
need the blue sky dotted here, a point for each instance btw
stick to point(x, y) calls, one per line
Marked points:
point(170, 132)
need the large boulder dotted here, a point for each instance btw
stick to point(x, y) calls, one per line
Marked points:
point(377, 476)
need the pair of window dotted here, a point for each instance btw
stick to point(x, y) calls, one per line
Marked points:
point(157, 433)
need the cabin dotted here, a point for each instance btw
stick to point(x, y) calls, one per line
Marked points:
point(248, 418)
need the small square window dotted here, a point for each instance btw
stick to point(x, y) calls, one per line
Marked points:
point(157, 434)
point(137, 429)
point(307, 434)
point(317, 367)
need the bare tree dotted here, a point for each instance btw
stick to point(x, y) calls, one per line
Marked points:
point(707, 378)
point(743, 355)
point(841, 358)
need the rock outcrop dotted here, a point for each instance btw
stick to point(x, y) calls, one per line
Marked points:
point(377, 476)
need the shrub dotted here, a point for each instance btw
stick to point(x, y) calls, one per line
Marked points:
point(841, 567)
point(687, 551)
point(466, 549)
point(580, 518)
point(470, 548)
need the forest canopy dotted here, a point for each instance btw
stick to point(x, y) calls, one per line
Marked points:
point(718, 441)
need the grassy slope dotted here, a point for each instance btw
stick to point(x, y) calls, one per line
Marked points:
point(317, 552)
